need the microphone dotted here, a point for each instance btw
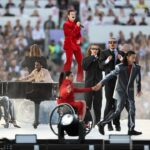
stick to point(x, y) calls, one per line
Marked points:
point(82, 26)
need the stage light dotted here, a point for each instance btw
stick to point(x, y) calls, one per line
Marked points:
point(70, 125)
point(26, 138)
point(120, 139)
point(146, 147)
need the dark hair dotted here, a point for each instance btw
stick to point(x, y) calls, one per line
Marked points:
point(63, 75)
point(89, 49)
point(129, 53)
point(38, 61)
point(70, 10)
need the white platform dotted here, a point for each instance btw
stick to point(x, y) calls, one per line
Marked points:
point(44, 132)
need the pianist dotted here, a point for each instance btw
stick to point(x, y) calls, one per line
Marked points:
point(39, 74)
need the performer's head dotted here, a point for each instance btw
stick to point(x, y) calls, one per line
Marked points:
point(93, 49)
point(38, 65)
point(112, 43)
point(65, 75)
point(35, 50)
point(129, 58)
point(125, 48)
point(72, 15)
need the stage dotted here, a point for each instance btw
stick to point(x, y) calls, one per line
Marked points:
point(46, 140)
point(43, 131)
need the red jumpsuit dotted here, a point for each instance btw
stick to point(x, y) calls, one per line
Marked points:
point(66, 97)
point(72, 35)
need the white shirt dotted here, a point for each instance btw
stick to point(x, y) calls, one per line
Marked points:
point(39, 76)
point(38, 34)
point(116, 54)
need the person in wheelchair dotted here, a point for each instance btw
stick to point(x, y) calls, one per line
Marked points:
point(66, 93)
point(7, 105)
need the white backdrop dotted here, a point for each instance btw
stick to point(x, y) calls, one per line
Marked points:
point(100, 34)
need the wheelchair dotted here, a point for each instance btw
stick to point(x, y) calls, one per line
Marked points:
point(65, 110)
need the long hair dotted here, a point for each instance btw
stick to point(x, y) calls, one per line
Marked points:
point(62, 76)
point(35, 50)
point(129, 53)
point(89, 49)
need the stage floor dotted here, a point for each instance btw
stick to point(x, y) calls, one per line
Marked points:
point(43, 131)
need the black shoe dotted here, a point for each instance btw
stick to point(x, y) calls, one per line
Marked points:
point(35, 125)
point(10, 121)
point(6, 125)
point(101, 128)
point(134, 132)
point(118, 128)
point(15, 124)
point(110, 127)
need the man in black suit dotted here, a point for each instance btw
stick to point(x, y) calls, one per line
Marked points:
point(108, 59)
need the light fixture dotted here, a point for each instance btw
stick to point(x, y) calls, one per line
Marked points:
point(121, 139)
point(26, 138)
point(70, 125)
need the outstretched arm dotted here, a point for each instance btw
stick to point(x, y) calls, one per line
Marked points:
point(109, 76)
point(81, 90)
point(29, 77)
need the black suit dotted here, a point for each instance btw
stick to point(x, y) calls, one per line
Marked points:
point(93, 74)
point(110, 86)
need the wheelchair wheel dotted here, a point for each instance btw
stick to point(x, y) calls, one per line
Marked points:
point(88, 121)
point(56, 115)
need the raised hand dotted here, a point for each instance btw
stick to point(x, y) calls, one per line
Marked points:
point(78, 24)
point(139, 94)
point(78, 42)
point(119, 57)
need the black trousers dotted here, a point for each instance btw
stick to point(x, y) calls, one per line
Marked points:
point(129, 104)
point(110, 101)
point(94, 98)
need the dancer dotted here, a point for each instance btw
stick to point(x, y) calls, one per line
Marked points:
point(126, 72)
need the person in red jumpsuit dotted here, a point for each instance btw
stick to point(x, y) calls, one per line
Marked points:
point(66, 93)
point(72, 43)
